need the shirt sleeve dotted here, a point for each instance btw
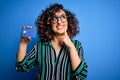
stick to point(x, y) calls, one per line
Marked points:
point(29, 61)
point(81, 71)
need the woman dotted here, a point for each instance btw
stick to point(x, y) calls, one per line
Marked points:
point(57, 56)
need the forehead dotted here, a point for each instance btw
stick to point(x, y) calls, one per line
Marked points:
point(60, 12)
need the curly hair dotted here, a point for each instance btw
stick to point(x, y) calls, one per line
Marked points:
point(44, 29)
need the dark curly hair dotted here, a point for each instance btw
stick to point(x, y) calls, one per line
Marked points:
point(44, 29)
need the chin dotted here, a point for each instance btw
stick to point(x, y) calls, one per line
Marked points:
point(60, 33)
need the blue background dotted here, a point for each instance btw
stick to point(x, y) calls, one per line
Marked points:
point(99, 22)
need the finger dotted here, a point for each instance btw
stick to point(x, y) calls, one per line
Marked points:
point(29, 38)
point(66, 34)
point(28, 26)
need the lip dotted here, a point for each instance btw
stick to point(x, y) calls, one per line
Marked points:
point(60, 26)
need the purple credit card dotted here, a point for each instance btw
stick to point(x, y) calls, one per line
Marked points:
point(28, 32)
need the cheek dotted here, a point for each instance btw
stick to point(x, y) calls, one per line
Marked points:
point(66, 25)
point(53, 27)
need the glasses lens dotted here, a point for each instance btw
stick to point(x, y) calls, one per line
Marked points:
point(63, 18)
point(54, 19)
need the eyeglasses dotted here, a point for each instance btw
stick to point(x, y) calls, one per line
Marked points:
point(63, 18)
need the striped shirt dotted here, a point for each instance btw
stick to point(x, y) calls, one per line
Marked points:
point(51, 67)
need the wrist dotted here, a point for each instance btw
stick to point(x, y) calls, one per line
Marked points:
point(71, 45)
point(23, 43)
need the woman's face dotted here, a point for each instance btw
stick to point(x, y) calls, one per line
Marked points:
point(59, 22)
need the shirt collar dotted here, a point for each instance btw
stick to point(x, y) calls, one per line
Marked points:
point(48, 43)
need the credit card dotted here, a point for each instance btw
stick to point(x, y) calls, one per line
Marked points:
point(28, 32)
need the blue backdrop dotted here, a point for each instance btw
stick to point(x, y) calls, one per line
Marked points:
point(99, 22)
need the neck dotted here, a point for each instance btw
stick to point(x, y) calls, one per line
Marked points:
point(56, 41)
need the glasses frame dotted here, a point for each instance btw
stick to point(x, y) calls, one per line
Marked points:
point(63, 18)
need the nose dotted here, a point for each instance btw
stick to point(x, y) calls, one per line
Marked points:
point(59, 20)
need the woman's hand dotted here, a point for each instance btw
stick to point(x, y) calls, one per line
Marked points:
point(74, 57)
point(25, 39)
point(23, 46)
point(64, 39)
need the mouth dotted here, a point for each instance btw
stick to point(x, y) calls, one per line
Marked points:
point(60, 27)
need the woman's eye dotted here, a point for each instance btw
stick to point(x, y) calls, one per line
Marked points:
point(63, 16)
point(53, 18)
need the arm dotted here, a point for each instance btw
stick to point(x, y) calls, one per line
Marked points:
point(79, 67)
point(74, 57)
point(22, 48)
point(25, 62)
point(28, 61)
point(80, 73)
